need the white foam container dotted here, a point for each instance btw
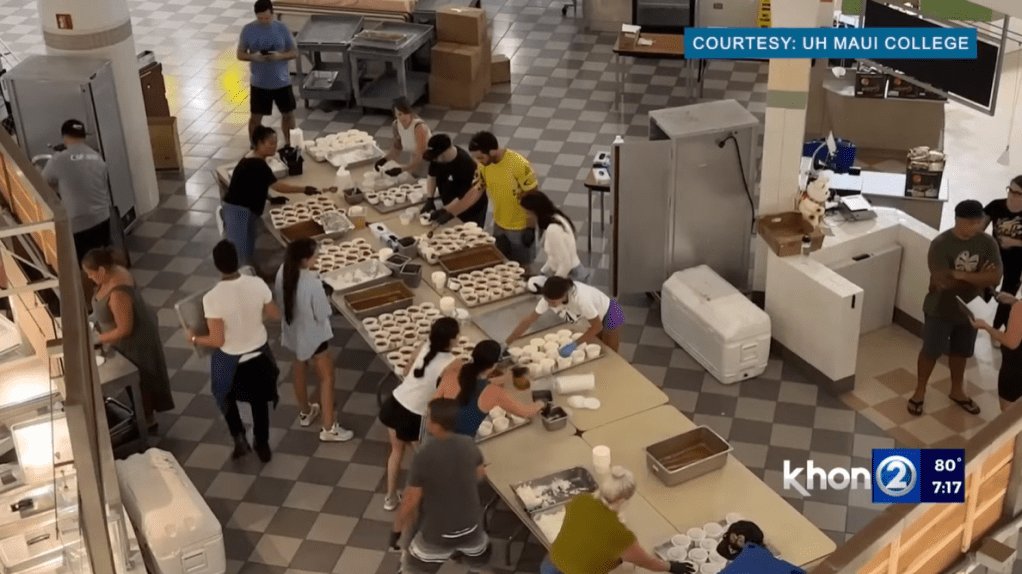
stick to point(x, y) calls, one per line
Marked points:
point(721, 328)
point(175, 525)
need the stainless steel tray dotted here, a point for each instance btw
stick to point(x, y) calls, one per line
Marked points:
point(687, 456)
point(535, 516)
point(333, 278)
point(510, 428)
point(661, 550)
point(356, 156)
point(334, 223)
point(578, 481)
point(383, 298)
point(497, 324)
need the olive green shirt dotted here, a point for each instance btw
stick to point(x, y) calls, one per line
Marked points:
point(949, 253)
point(592, 538)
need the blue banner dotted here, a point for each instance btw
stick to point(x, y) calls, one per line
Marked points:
point(830, 43)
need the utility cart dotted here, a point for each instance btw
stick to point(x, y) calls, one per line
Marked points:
point(330, 79)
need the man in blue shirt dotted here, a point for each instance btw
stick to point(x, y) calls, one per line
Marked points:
point(268, 46)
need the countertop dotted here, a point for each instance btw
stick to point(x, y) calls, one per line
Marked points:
point(708, 498)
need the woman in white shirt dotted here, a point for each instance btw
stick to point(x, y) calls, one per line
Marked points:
point(575, 302)
point(402, 413)
point(305, 331)
point(558, 239)
point(411, 135)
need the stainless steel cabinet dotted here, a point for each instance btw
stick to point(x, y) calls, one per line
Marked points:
point(45, 91)
point(686, 198)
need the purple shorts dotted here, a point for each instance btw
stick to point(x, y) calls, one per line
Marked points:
point(615, 316)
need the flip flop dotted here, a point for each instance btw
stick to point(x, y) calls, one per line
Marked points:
point(915, 407)
point(967, 405)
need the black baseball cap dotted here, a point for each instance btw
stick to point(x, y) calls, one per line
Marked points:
point(436, 145)
point(73, 128)
point(969, 209)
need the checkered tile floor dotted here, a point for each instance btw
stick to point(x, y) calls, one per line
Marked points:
point(318, 508)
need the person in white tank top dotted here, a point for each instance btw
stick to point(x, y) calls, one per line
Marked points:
point(402, 412)
point(410, 137)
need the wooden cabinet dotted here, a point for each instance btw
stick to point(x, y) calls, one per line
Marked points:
point(154, 91)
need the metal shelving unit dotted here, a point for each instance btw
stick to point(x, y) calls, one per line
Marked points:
point(327, 35)
point(397, 80)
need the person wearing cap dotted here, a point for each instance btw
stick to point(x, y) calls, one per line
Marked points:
point(267, 46)
point(79, 175)
point(455, 177)
point(507, 176)
point(963, 262)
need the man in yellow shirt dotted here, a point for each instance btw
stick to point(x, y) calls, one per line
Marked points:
point(507, 176)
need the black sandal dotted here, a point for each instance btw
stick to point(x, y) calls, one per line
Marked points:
point(967, 405)
point(915, 407)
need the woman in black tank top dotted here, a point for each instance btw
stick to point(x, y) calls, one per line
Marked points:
point(1009, 379)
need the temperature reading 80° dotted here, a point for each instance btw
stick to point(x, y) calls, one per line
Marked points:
point(945, 465)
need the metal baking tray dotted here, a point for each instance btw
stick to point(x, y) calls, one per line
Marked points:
point(355, 156)
point(384, 298)
point(378, 36)
point(535, 516)
point(302, 229)
point(579, 481)
point(334, 223)
point(687, 456)
point(333, 278)
point(378, 206)
point(491, 301)
point(510, 428)
point(471, 259)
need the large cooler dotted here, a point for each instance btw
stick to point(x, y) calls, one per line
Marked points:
point(728, 334)
point(178, 531)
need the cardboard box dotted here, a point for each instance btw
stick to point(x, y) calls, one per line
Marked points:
point(784, 233)
point(456, 61)
point(922, 183)
point(500, 69)
point(166, 144)
point(870, 85)
point(457, 94)
point(462, 26)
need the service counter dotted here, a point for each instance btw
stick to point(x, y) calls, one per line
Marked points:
point(816, 313)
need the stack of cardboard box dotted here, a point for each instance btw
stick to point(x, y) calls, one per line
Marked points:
point(460, 61)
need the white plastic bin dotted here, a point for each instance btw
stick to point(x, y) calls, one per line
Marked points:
point(728, 334)
point(175, 525)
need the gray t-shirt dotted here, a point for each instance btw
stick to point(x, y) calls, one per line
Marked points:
point(447, 472)
point(80, 175)
point(949, 253)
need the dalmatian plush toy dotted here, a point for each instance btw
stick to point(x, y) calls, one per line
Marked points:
point(811, 201)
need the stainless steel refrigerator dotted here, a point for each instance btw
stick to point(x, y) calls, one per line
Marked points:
point(45, 91)
point(686, 197)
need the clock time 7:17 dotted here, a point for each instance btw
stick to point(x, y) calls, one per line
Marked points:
point(947, 486)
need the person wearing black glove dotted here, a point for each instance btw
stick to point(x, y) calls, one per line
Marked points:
point(441, 216)
point(248, 192)
point(454, 176)
point(428, 207)
point(594, 540)
point(410, 137)
point(310, 190)
point(380, 163)
point(278, 200)
point(394, 172)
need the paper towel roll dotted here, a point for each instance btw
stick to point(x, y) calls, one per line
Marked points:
point(575, 384)
point(601, 458)
point(297, 138)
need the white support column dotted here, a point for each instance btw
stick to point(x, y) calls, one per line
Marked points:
point(102, 29)
point(784, 132)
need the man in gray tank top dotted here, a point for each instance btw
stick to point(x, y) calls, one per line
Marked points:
point(79, 175)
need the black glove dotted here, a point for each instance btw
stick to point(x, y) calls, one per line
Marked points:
point(379, 163)
point(395, 538)
point(59, 147)
point(441, 216)
point(429, 206)
point(393, 172)
point(277, 200)
point(529, 237)
point(681, 567)
point(309, 190)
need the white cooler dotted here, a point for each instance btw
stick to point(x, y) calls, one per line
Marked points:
point(728, 334)
point(175, 525)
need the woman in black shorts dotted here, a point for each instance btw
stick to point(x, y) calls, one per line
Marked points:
point(402, 412)
point(1009, 379)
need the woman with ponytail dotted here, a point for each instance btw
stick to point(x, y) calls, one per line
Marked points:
point(305, 331)
point(480, 386)
point(575, 302)
point(402, 413)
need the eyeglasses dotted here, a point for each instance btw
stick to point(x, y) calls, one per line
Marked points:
point(1014, 191)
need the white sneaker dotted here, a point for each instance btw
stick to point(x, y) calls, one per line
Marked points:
point(306, 418)
point(391, 503)
point(336, 434)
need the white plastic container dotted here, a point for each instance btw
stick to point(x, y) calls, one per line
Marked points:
point(728, 334)
point(175, 525)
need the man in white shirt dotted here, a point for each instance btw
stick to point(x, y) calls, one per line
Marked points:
point(235, 310)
